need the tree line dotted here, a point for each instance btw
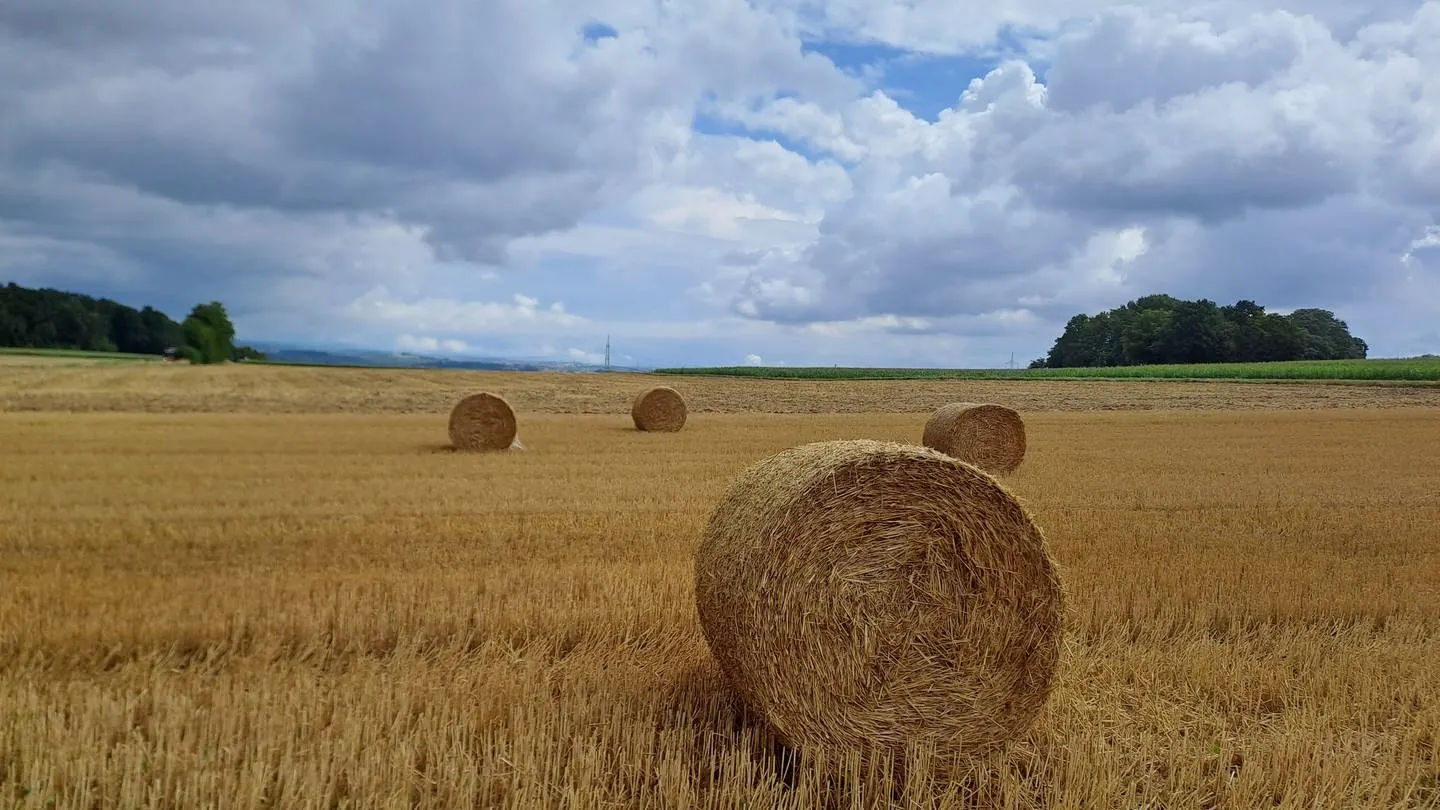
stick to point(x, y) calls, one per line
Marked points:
point(55, 319)
point(1161, 329)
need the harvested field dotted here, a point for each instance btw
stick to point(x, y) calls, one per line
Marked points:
point(324, 610)
point(172, 388)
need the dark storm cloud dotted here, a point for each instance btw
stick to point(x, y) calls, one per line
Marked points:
point(1326, 255)
point(475, 123)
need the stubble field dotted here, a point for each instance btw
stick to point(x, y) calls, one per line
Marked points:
point(285, 602)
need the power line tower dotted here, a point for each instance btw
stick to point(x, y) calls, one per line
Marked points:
point(607, 352)
point(1011, 364)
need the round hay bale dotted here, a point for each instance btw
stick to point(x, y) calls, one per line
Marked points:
point(660, 409)
point(992, 437)
point(873, 595)
point(482, 421)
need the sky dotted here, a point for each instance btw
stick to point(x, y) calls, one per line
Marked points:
point(721, 181)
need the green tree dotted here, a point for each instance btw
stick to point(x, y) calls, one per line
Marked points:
point(13, 328)
point(1165, 329)
point(127, 330)
point(1242, 316)
point(209, 335)
point(77, 327)
point(1197, 332)
point(1087, 342)
point(1277, 338)
point(1327, 337)
point(1072, 348)
point(1260, 336)
point(1145, 335)
point(161, 333)
point(54, 319)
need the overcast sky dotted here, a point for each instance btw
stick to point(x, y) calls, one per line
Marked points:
point(722, 181)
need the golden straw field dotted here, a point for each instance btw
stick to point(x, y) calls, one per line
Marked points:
point(245, 587)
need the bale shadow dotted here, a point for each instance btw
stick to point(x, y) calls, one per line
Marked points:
point(726, 736)
point(436, 448)
point(697, 700)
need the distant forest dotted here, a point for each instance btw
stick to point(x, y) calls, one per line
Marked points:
point(1160, 329)
point(54, 319)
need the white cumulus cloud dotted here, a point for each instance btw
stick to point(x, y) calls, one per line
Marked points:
point(413, 343)
point(823, 180)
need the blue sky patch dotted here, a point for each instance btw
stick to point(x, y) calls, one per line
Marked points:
point(708, 124)
point(595, 31)
point(924, 84)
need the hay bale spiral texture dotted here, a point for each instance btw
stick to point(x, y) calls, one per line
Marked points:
point(991, 437)
point(873, 596)
point(482, 421)
point(658, 409)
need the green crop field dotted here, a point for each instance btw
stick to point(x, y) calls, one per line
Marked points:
point(1415, 369)
point(77, 354)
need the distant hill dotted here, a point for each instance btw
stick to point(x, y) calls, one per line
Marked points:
point(307, 355)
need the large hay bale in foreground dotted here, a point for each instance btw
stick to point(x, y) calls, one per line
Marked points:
point(482, 421)
point(872, 595)
point(992, 437)
point(659, 409)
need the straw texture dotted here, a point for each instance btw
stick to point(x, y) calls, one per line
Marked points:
point(482, 421)
point(660, 409)
point(992, 437)
point(873, 596)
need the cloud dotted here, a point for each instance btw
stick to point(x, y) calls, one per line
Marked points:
point(933, 27)
point(712, 212)
point(704, 179)
point(1423, 247)
point(754, 360)
point(454, 317)
point(1255, 157)
point(583, 356)
point(470, 124)
point(411, 343)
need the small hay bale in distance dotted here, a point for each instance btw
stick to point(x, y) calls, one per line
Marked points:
point(482, 421)
point(991, 437)
point(658, 409)
point(873, 596)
